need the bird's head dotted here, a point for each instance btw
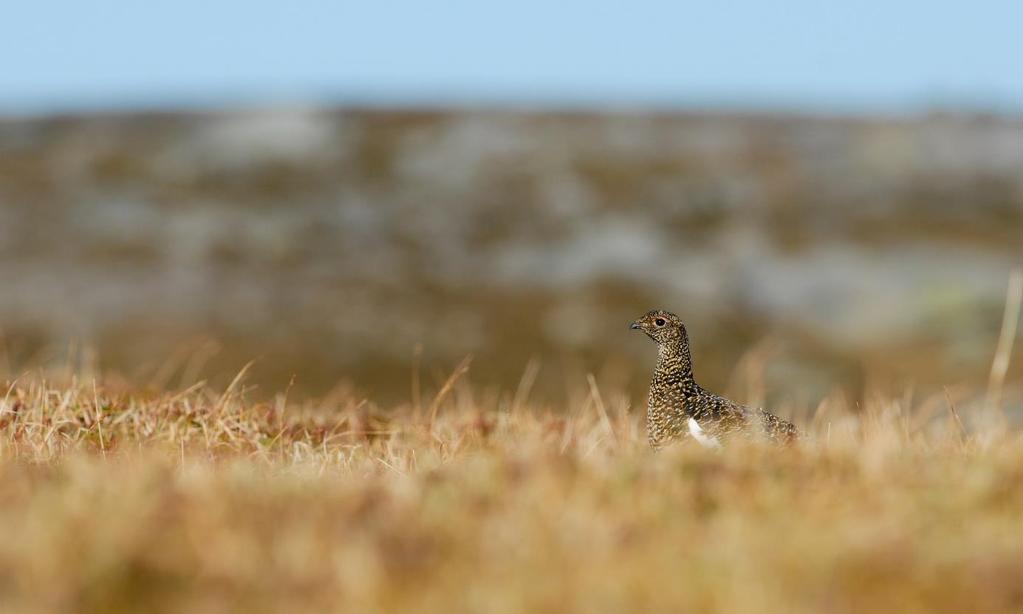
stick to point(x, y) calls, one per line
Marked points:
point(661, 326)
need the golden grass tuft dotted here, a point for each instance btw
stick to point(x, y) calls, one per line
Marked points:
point(202, 501)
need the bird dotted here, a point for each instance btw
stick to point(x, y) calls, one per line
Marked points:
point(678, 407)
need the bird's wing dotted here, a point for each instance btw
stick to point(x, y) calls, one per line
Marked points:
point(707, 441)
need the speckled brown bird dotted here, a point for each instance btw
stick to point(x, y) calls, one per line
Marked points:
point(678, 407)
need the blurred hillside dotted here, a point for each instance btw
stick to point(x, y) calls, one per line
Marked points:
point(328, 244)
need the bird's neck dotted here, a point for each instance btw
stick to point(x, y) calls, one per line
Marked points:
point(673, 359)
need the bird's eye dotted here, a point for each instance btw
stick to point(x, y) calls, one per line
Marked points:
point(659, 321)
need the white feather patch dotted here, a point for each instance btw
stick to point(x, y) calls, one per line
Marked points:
point(699, 435)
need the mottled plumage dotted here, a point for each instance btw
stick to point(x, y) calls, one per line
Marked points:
point(678, 406)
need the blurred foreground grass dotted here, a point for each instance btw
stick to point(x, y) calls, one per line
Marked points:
point(118, 500)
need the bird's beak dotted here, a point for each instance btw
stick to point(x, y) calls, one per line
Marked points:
point(635, 326)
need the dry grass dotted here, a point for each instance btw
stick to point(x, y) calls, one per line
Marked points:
point(199, 501)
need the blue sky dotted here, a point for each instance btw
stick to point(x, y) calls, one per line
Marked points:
point(804, 55)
